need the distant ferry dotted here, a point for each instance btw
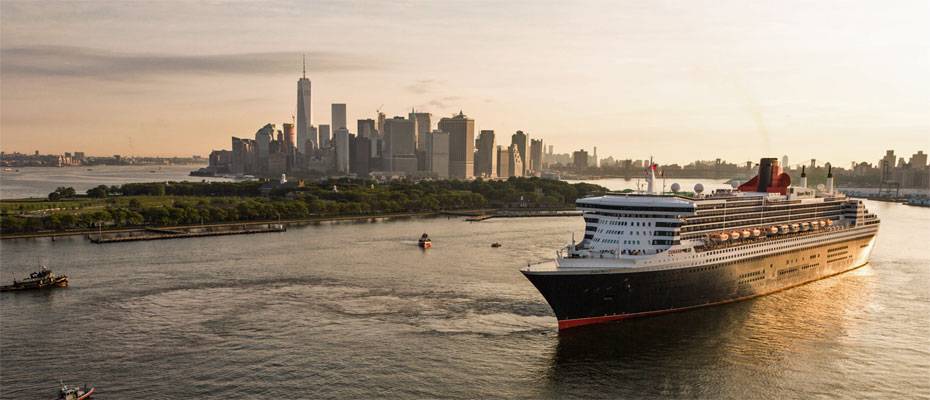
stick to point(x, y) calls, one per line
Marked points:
point(647, 253)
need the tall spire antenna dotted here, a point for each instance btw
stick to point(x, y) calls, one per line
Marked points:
point(305, 65)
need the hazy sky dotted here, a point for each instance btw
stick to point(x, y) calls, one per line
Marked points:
point(679, 80)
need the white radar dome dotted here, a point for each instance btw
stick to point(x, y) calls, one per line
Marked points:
point(676, 187)
point(821, 187)
point(699, 188)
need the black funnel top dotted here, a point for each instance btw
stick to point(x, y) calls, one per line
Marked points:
point(766, 166)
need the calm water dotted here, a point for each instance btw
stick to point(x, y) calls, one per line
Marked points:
point(40, 181)
point(356, 310)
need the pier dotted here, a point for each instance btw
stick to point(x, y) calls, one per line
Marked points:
point(185, 232)
point(524, 214)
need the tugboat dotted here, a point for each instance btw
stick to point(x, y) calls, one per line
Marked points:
point(42, 279)
point(496, 245)
point(425, 242)
point(75, 393)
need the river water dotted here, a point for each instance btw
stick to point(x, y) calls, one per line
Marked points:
point(356, 310)
point(23, 182)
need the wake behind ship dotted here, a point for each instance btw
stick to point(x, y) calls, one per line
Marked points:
point(648, 253)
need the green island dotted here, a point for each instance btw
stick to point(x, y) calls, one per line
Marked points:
point(135, 205)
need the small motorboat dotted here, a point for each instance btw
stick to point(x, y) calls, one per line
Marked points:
point(75, 393)
point(495, 245)
point(425, 241)
point(42, 279)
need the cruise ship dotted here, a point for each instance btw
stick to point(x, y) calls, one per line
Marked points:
point(651, 253)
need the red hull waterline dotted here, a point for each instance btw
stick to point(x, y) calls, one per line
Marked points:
point(574, 323)
point(87, 395)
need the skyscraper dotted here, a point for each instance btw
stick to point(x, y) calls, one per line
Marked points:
point(485, 155)
point(339, 117)
point(359, 155)
point(303, 112)
point(400, 145)
point(461, 130)
point(503, 164)
point(536, 156)
point(439, 154)
point(366, 128)
point(263, 139)
point(341, 141)
point(424, 126)
point(290, 136)
point(522, 141)
point(380, 123)
point(324, 140)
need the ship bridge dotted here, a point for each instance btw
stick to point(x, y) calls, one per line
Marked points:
point(631, 224)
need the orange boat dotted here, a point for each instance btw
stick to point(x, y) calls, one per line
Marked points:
point(425, 242)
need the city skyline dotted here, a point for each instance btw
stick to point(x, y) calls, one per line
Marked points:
point(856, 80)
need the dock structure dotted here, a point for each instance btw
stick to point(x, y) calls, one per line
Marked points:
point(524, 214)
point(187, 232)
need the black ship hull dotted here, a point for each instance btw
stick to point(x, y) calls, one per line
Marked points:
point(584, 298)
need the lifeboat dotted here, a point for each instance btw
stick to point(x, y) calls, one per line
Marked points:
point(756, 233)
point(795, 228)
point(823, 223)
point(734, 235)
point(723, 237)
point(829, 222)
point(805, 227)
point(815, 225)
point(773, 230)
point(783, 229)
point(746, 234)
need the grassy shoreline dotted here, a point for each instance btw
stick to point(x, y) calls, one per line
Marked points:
point(289, 222)
point(135, 206)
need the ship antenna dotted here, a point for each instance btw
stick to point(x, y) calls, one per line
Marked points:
point(305, 65)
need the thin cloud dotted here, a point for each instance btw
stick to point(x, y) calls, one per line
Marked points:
point(81, 62)
point(444, 102)
point(423, 86)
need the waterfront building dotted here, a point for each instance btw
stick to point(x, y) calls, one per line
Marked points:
point(400, 141)
point(324, 141)
point(580, 159)
point(338, 117)
point(485, 155)
point(303, 113)
point(887, 166)
point(242, 156)
point(522, 141)
point(439, 154)
point(918, 160)
point(220, 161)
point(536, 156)
point(461, 130)
point(341, 141)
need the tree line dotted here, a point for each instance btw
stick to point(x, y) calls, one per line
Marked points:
point(217, 202)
